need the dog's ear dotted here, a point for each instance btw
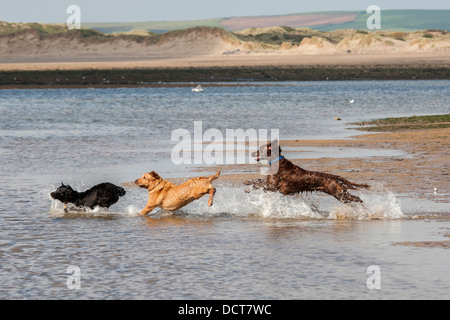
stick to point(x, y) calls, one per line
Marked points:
point(155, 175)
point(274, 144)
point(271, 146)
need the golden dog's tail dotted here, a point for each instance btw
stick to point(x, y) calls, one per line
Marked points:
point(214, 177)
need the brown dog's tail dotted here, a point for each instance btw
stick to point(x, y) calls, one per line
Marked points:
point(351, 185)
point(214, 177)
point(363, 185)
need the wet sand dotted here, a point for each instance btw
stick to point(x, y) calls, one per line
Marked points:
point(425, 244)
point(217, 76)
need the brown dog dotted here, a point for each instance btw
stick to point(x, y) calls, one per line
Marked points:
point(291, 179)
point(168, 196)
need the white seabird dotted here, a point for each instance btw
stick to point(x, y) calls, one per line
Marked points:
point(198, 89)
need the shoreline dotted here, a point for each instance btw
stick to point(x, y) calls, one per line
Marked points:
point(159, 71)
point(213, 76)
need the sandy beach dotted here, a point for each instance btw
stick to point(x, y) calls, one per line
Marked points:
point(41, 63)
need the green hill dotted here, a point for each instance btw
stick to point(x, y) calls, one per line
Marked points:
point(391, 20)
point(399, 20)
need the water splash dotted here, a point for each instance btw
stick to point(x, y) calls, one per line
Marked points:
point(58, 209)
point(379, 203)
point(276, 205)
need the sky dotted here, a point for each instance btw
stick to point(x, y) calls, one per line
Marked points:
point(55, 11)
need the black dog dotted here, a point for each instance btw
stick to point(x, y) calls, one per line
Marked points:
point(103, 195)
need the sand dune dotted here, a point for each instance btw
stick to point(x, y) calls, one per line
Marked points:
point(76, 46)
point(27, 46)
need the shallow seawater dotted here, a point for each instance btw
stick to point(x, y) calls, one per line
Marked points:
point(247, 245)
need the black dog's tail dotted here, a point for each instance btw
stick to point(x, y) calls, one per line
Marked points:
point(120, 191)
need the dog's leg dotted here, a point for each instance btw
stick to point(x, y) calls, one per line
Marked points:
point(147, 210)
point(339, 191)
point(346, 197)
point(257, 184)
point(212, 191)
point(250, 183)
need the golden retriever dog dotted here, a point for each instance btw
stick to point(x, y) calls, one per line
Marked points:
point(171, 197)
